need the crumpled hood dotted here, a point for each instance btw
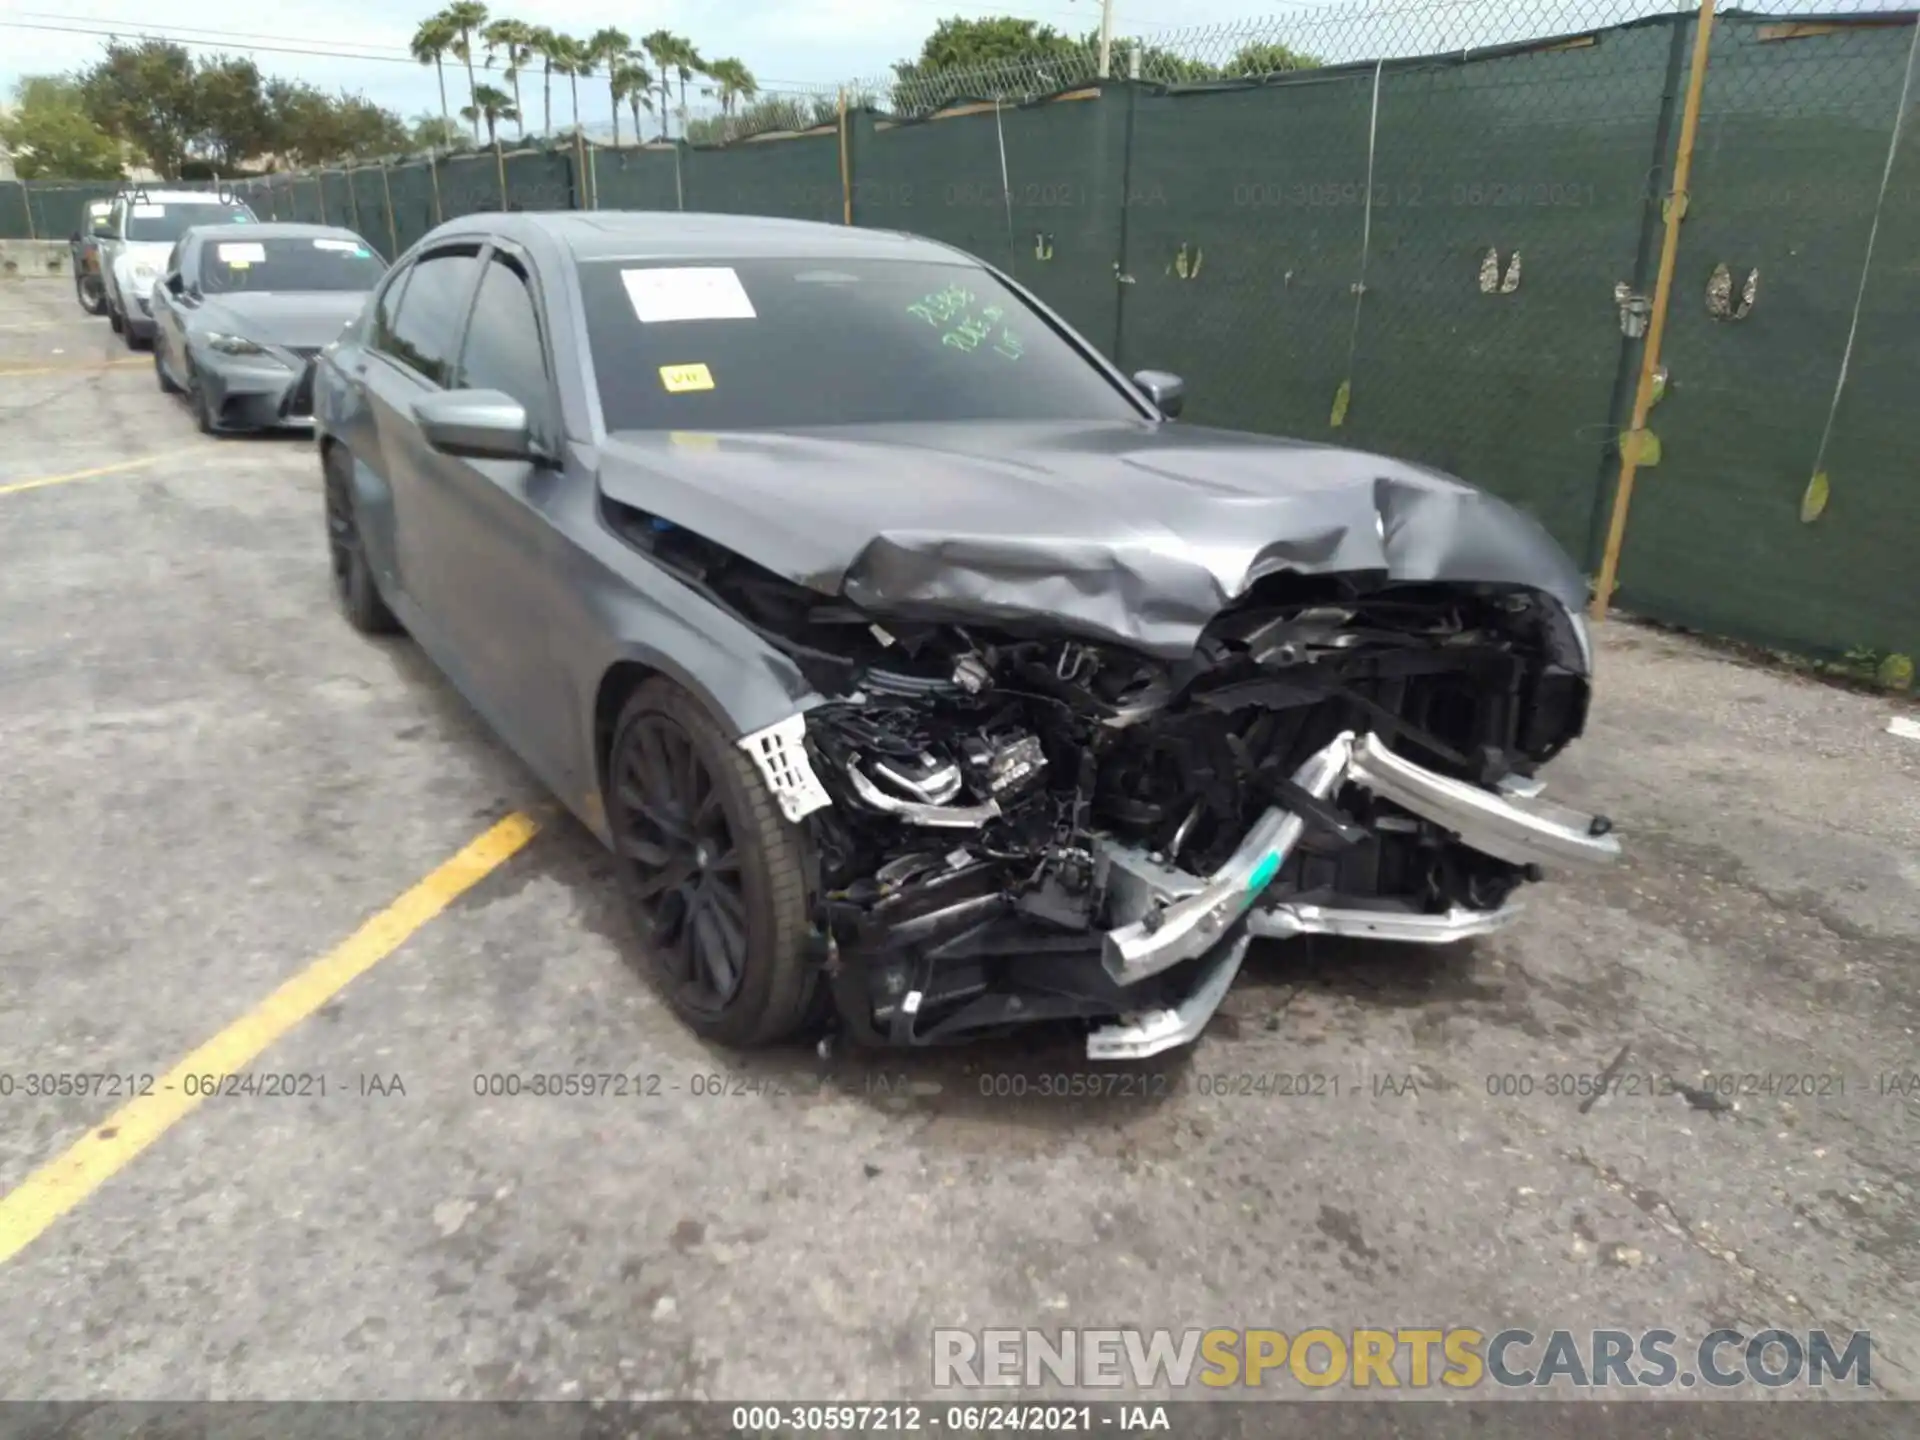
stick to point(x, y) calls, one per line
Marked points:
point(305, 319)
point(1138, 534)
point(152, 254)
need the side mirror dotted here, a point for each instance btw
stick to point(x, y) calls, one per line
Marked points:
point(1167, 392)
point(475, 425)
point(175, 284)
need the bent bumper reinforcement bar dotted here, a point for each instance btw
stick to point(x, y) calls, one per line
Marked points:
point(1193, 915)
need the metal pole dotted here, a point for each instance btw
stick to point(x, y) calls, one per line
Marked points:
point(433, 178)
point(1106, 38)
point(1657, 321)
point(846, 173)
point(500, 164)
point(393, 230)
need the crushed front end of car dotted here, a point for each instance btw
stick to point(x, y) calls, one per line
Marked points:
point(1010, 825)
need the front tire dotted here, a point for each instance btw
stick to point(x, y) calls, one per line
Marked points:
point(167, 386)
point(197, 398)
point(353, 582)
point(87, 290)
point(714, 872)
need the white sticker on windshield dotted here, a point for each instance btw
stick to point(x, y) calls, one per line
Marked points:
point(149, 212)
point(698, 292)
point(243, 253)
point(349, 247)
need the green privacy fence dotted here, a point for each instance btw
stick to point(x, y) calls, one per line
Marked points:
point(1447, 258)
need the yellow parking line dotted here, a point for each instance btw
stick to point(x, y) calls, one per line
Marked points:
point(6, 374)
point(13, 487)
point(54, 1189)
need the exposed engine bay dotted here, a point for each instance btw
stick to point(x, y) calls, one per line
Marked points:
point(1011, 825)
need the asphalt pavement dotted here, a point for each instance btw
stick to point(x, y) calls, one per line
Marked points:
point(242, 838)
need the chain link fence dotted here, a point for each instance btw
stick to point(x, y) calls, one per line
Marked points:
point(1432, 230)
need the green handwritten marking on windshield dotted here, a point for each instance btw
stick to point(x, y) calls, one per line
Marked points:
point(965, 326)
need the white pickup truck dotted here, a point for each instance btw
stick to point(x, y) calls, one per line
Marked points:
point(136, 237)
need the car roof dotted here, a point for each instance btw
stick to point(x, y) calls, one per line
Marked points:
point(282, 230)
point(145, 196)
point(672, 234)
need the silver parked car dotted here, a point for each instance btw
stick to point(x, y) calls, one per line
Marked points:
point(240, 314)
point(135, 239)
point(917, 667)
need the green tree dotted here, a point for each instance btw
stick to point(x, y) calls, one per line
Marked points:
point(434, 132)
point(51, 135)
point(608, 47)
point(465, 18)
point(1268, 60)
point(235, 123)
point(145, 94)
point(431, 42)
point(491, 105)
point(512, 40)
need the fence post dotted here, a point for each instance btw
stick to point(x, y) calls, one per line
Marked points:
point(433, 179)
point(500, 168)
point(26, 206)
point(1632, 442)
point(846, 172)
point(320, 189)
point(393, 230)
point(353, 199)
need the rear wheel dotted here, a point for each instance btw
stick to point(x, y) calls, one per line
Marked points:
point(353, 582)
point(713, 870)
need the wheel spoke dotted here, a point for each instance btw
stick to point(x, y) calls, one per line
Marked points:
point(669, 878)
point(714, 945)
point(645, 852)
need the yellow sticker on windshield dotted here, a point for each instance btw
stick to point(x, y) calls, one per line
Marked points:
point(678, 378)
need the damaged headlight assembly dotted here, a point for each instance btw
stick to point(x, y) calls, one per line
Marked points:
point(1033, 831)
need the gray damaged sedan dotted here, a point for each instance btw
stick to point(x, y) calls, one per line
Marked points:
point(239, 317)
point(920, 672)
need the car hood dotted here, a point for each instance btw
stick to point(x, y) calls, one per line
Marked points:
point(1133, 533)
point(302, 319)
point(150, 252)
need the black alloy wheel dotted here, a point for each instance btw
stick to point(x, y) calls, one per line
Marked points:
point(353, 581)
point(673, 827)
point(714, 872)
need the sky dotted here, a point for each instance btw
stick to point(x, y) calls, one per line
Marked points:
point(785, 43)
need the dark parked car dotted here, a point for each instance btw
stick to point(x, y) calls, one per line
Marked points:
point(239, 316)
point(915, 668)
point(84, 247)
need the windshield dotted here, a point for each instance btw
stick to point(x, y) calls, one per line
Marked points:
point(149, 223)
point(324, 262)
point(778, 344)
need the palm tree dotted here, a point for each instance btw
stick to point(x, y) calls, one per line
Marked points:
point(465, 17)
point(631, 82)
point(732, 82)
point(492, 106)
point(608, 46)
point(514, 40)
point(672, 53)
point(569, 57)
point(541, 40)
point(430, 45)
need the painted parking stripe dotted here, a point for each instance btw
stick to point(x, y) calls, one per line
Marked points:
point(119, 467)
point(61, 1184)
